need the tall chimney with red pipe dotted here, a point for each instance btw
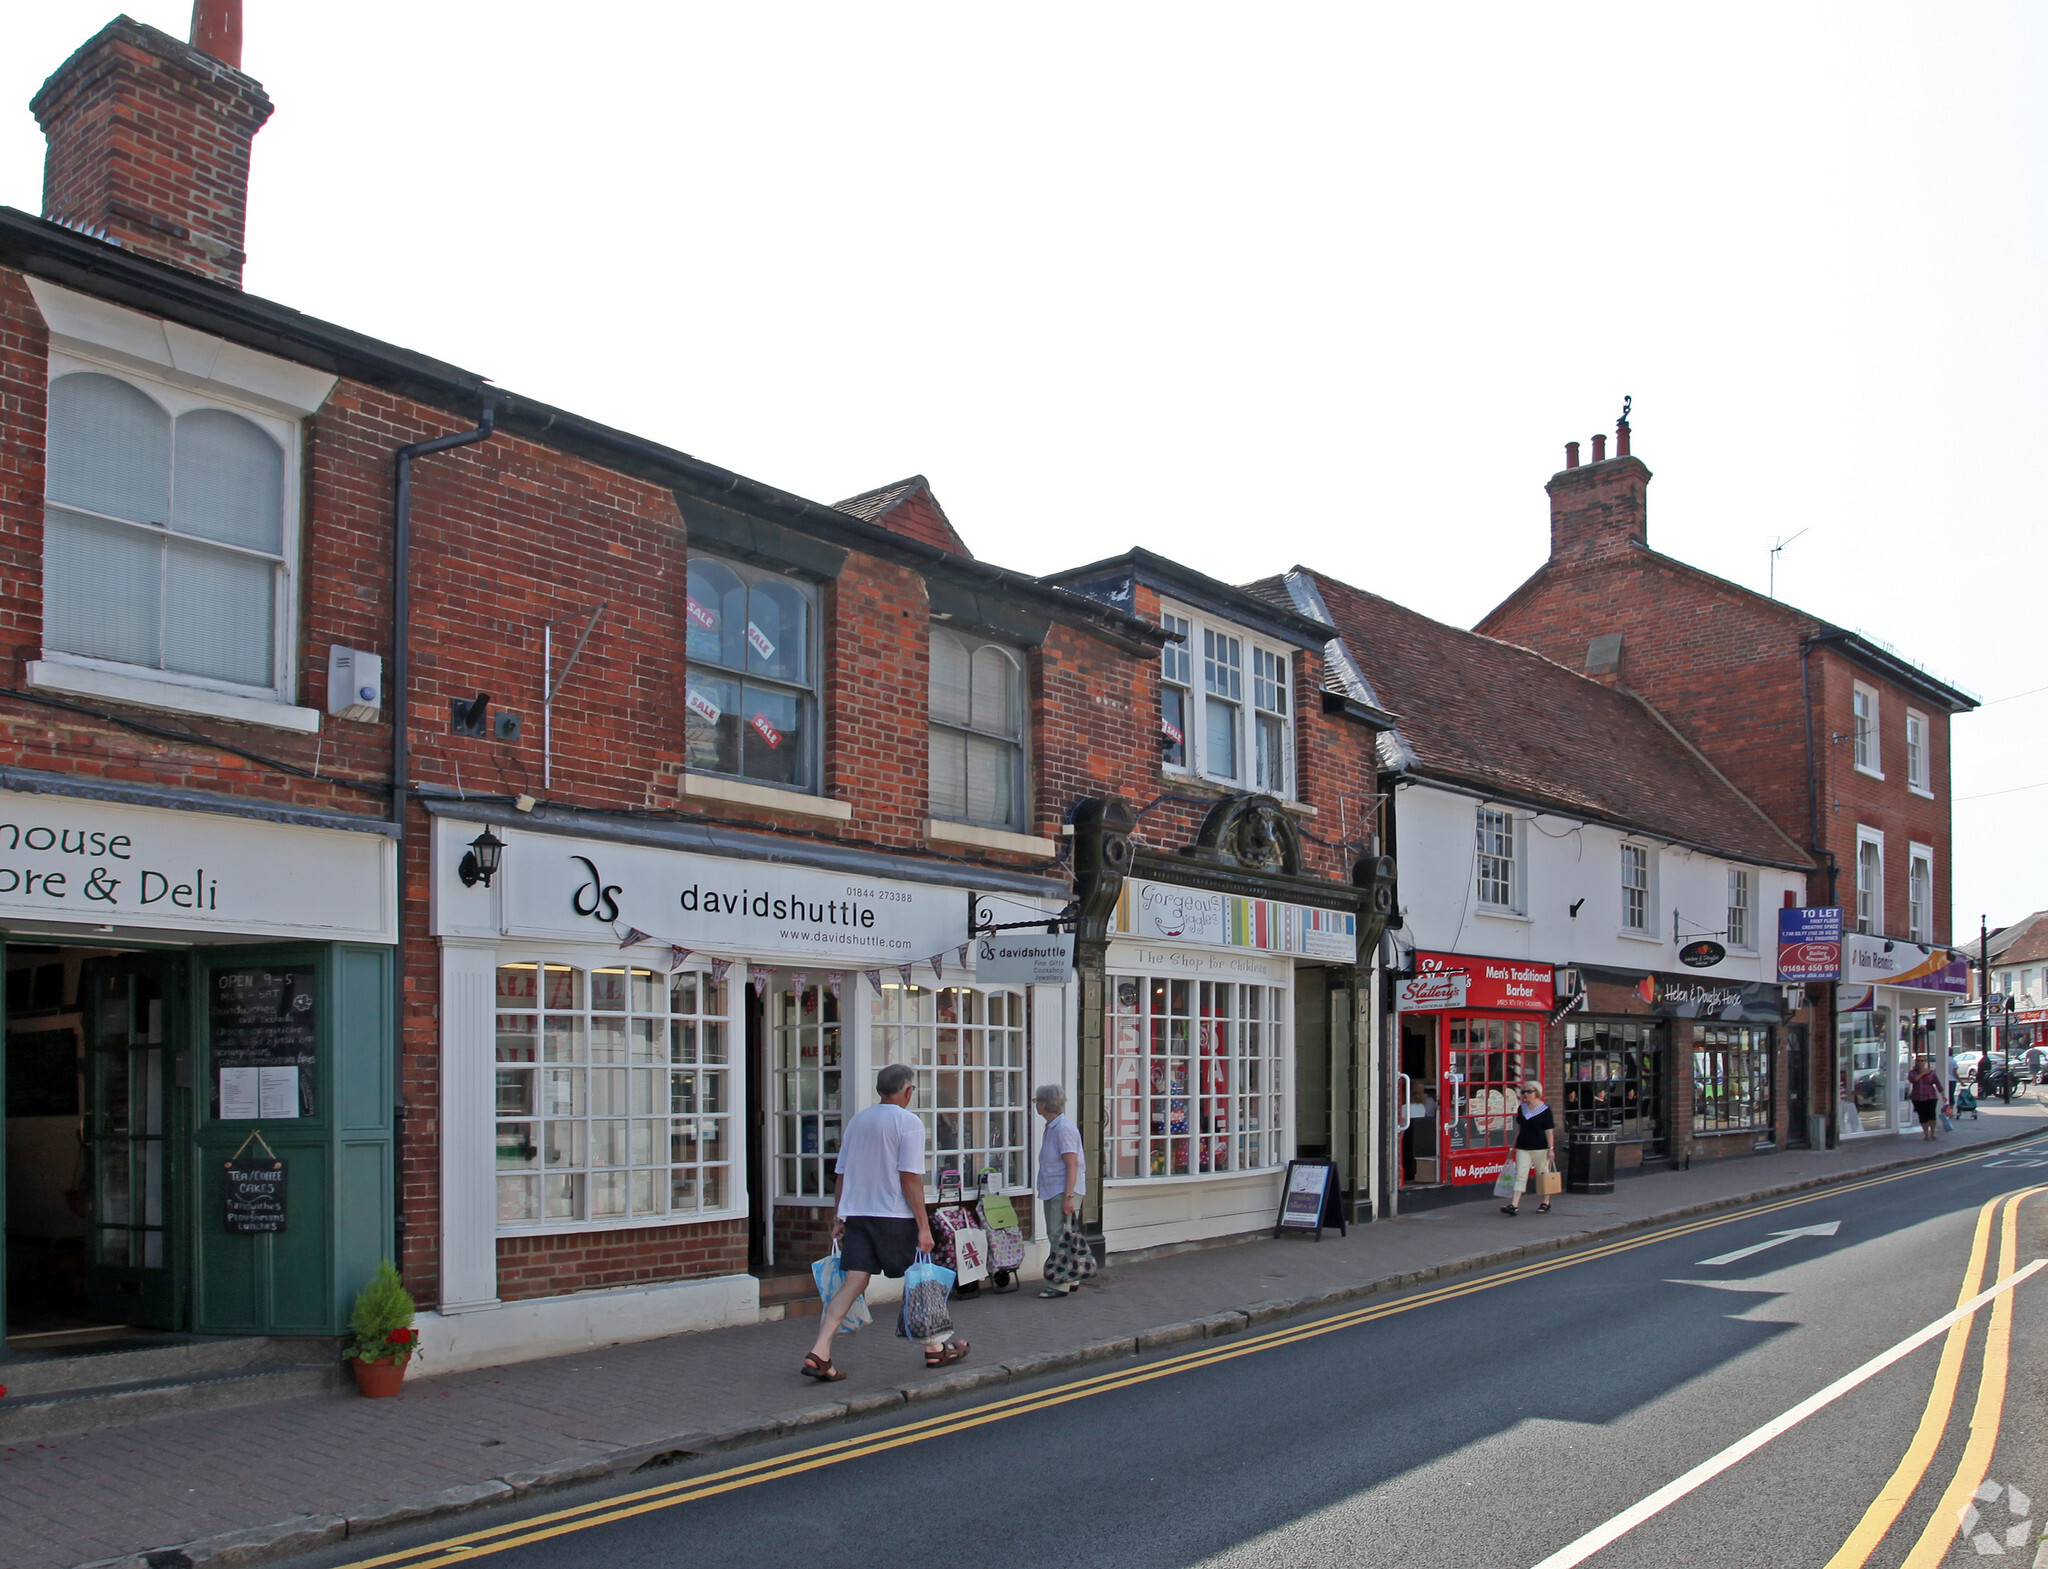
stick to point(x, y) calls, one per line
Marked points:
point(149, 140)
point(1599, 509)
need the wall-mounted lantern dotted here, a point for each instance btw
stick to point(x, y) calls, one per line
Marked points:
point(480, 865)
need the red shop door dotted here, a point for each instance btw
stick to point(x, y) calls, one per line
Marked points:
point(1485, 1061)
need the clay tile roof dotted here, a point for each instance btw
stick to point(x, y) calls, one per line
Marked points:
point(908, 507)
point(1494, 717)
point(2028, 945)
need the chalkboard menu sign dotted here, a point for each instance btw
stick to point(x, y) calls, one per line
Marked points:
point(252, 1194)
point(260, 1042)
point(1311, 1198)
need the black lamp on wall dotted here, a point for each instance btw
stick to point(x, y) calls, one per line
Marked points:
point(480, 864)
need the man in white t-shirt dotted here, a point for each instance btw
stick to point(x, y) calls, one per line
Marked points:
point(881, 1224)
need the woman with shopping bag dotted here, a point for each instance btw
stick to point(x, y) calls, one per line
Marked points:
point(1535, 1148)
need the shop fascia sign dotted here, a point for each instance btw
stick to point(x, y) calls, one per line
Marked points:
point(1169, 912)
point(105, 863)
point(554, 887)
point(1753, 1002)
point(1457, 980)
point(1892, 961)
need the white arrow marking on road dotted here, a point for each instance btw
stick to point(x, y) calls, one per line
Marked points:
point(1826, 1229)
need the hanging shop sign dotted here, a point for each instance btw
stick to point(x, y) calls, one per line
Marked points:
point(1024, 959)
point(1702, 955)
point(260, 1043)
point(1459, 980)
point(64, 858)
point(1891, 961)
point(1167, 912)
point(1810, 944)
point(252, 1191)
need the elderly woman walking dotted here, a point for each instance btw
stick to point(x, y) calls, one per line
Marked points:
point(1060, 1182)
point(1535, 1144)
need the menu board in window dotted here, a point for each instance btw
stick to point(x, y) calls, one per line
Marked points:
point(260, 1042)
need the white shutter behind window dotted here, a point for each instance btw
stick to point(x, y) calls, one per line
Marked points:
point(952, 680)
point(994, 707)
point(949, 774)
point(230, 482)
point(109, 449)
point(991, 780)
point(220, 614)
point(101, 588)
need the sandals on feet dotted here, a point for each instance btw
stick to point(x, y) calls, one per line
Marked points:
point(951, 1351)
point(1057, 1291)
point(1543, 1209)
point(1509, 1209)
point(820, 1368)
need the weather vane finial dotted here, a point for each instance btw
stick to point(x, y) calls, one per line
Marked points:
point(1627, 403)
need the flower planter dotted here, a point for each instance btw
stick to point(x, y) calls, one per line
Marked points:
point(381, 1377)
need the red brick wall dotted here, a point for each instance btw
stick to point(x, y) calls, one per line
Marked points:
point(585, 1261)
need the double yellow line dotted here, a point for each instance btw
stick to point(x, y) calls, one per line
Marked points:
point(538, 1528)
point(1891, 1501)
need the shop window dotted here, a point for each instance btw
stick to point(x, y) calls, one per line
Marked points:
point(1919, 776)
point(1614, 1080)
point(1869, 882)
point(1920, 894)
point(614, 1095)
point(1496, 859)
point(1485, 1065)
point(1206, 725)
point(1863, 711)
point(966, 1045)
point(1195, 1076)
point(1741, 928)
point(168, 537)
point(750, 695)
point(1731, 1079)
point(1635, 888)
point(977, 731)
point(806, 1040)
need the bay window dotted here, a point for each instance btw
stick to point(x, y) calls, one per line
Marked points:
point(977, 731)
point(1212, 721)
point(1194, 1076)
point(750, 695)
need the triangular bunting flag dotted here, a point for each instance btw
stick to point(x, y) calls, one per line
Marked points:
point(677, 957)
point(963, 956)
point(760, 981)
point(718, 969)
point(833, 981)
point(633, 935)
point(938, 963)
point(799, 979)
point(904, 971)
point(875, 980)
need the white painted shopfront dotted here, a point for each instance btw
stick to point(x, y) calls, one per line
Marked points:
point(1891, 1006)
point(599, 1075)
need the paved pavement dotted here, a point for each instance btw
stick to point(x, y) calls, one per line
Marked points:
point(342, 1466)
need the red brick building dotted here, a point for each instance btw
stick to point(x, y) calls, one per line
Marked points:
point(1842, 741)
point(702, 788)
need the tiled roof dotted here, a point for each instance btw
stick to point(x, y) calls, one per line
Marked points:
point(908, 507)
point(2026, 944)
point(1493, 717)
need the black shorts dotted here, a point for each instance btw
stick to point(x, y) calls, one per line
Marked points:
point(879, 1244)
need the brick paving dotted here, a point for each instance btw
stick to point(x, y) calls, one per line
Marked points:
point(155, 1484)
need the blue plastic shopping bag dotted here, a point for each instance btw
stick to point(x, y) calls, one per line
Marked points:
point(925, 1288)
point(830, 1275)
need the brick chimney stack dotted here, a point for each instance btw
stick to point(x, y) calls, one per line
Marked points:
point(1599, 508)
point(149, 140)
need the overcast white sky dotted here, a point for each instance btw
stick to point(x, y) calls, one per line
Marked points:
point(1247, 285)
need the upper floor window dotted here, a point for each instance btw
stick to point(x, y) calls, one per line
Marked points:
point(1496, 858)
point(751, 692)
point(1918, 774)
point(1206, 725)
point(1869, 884)
point(168, 536)
point(1863, 706)
point(1635, 888)
point(1920, 894)
point(1741, 929)
point(977, 731)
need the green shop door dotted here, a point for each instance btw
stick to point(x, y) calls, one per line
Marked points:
point(133, 1013)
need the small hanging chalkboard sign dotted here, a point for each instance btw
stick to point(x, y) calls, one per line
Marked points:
point(1311, 1198)
point(252, 1190)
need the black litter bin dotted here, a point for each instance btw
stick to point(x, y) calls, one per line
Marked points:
point(1589, 1161)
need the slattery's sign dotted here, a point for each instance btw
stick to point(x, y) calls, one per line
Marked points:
point(1465, 981)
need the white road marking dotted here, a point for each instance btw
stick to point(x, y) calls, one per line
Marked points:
point(1826, 1228)
point(1577, 1552)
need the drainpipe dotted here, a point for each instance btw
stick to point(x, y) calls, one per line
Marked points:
point(401, 760)
point(1824, 1019)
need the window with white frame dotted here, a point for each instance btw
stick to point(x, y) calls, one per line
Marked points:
point(1194, 1076)
point(615, 1095)
point(1869, 881)
point(1206, 725)
point(1741, 927)
point(750, 694)
point(977, 731)
point(1920, 894)
point(1635, 888)
point(1863, 709)
point(1495, 858)
point(170, 535)
point(1918, 772)
point(966, 1045)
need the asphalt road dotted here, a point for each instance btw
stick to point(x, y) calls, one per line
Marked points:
point(1489, 1421)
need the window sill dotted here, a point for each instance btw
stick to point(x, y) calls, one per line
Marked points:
point(709, 787)
point(1176, 778)
point(46, 675)
point(1922, 791)
point(1869, 773)
point(1195, 1176)
point(563, 1228)
point(1642, 937)
point(989, 838)
point(1496, 912)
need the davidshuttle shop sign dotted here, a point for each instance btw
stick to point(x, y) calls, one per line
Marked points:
point(1458, 980)
point(102, 863)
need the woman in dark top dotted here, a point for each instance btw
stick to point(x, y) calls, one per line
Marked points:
point(1535, 1145)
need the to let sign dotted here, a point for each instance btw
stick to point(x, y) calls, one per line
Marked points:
point(1810, 944)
